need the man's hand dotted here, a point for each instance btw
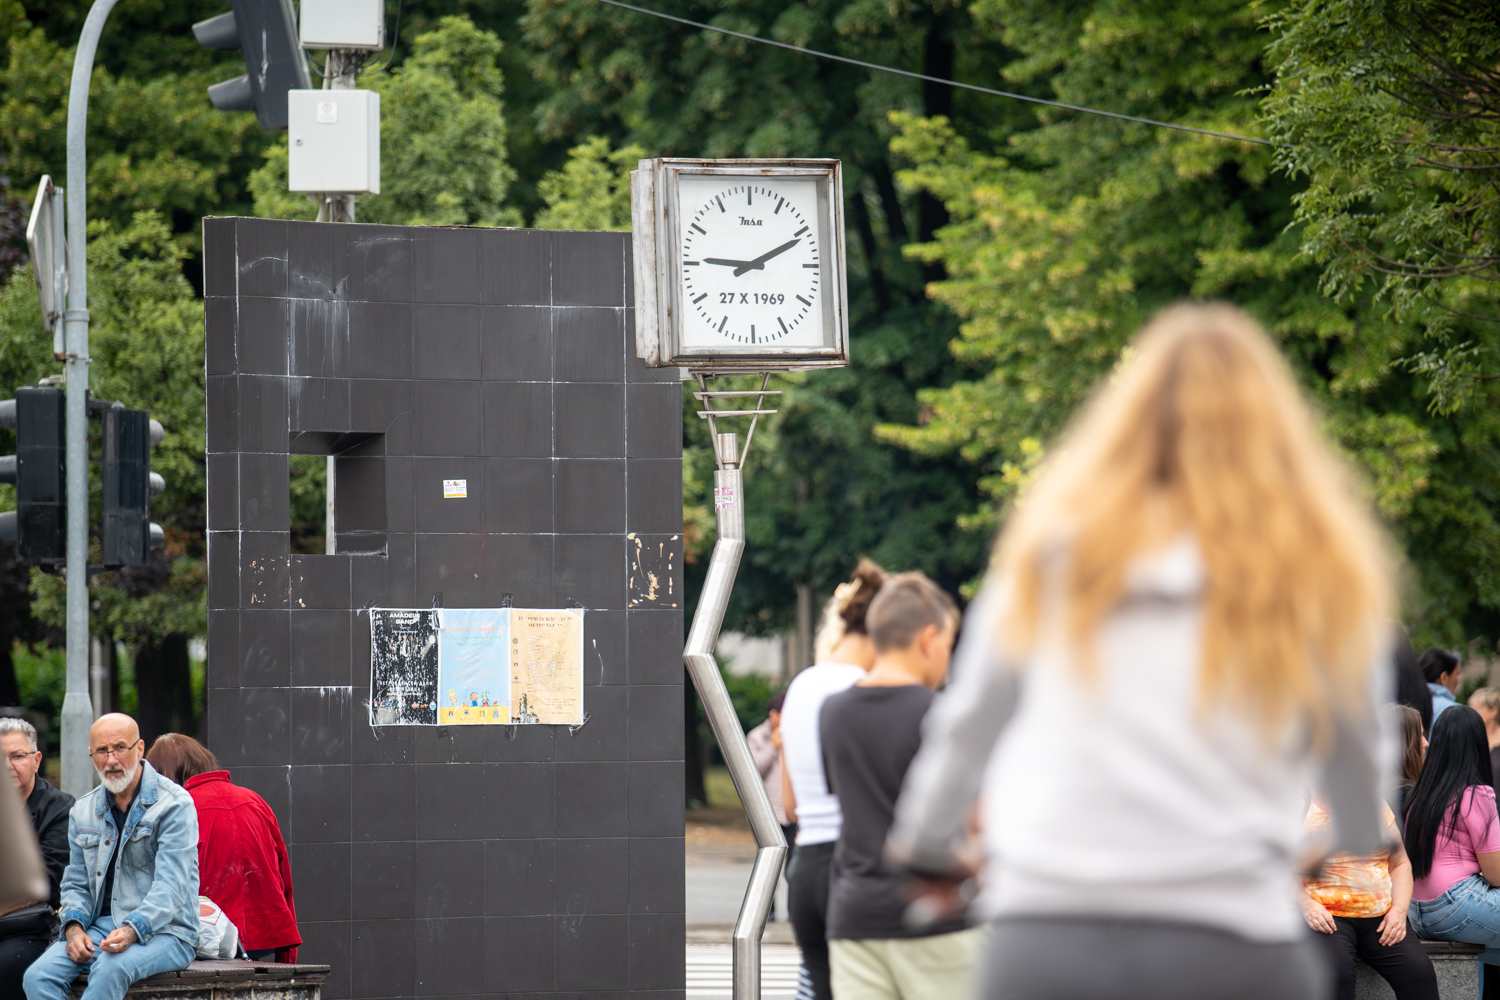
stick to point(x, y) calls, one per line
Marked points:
point(119, 939)
point(1393, 926)
point(80, 945)
point(1317, 916)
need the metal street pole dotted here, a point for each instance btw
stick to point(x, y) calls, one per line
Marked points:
point(771, 847)
point(77, 711)
point(341, 72)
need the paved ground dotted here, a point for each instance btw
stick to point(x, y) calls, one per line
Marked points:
point(720, 854)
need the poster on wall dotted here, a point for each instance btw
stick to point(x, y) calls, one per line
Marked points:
point(403, 667)
point(476, 666)
point(546, 681)
point(473, 667)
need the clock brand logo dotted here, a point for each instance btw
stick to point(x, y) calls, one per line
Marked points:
point(749, 222)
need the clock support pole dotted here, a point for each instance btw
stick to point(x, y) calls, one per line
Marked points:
point(771, 847)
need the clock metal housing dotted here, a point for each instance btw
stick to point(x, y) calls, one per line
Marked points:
point(739, 264)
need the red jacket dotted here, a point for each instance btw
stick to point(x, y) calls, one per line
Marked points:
point(243, 865)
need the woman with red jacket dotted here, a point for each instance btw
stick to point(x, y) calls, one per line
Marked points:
point(242, 861)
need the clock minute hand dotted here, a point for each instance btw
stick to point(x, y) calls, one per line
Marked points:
point(759, 263)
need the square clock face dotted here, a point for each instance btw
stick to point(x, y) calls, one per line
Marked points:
point(751, 253)
point(741, 262)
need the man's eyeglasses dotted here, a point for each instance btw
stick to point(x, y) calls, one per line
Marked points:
point(17, 758)
point(118, 750)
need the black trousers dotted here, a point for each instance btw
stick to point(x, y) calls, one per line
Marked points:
point(16, 956)
point(807, 899)
point(1404, 965)
point(789, 831)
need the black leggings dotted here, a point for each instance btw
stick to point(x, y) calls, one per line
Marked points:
point(1404, 965)
point(807, 901)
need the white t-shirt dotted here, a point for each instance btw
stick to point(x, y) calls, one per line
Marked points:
point(818, 815)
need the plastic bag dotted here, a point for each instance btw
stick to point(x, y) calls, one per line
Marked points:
point(217, 935)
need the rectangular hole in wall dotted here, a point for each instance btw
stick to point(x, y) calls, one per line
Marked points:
point(337, 485)
point(309, 504)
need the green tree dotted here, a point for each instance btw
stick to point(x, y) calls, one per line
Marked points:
point(1069, 234)
point(1391, 110)
point(442, 142)
point(155, 142)
point(592, 191)
point(146, 338)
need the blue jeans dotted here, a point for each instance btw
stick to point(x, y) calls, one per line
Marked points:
point(110, 973)
point(1469, 911)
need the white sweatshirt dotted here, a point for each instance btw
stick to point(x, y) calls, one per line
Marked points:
point(1121, 799)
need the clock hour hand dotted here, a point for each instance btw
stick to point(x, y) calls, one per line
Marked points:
point(759, 263)
point(729, 263)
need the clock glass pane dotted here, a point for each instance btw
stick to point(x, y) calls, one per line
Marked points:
point(751, 261)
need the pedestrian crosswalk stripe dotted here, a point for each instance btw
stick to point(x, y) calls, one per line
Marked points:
point(710, 971)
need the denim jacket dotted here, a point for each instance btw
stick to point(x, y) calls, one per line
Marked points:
point(156, 881)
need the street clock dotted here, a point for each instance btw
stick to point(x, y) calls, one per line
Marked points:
point(739, 264)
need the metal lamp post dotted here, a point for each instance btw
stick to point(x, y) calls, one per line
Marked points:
point(77, 710)
point(770, 843)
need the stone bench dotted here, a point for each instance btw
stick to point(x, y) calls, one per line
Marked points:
point(229, 980)
point(1456, 965)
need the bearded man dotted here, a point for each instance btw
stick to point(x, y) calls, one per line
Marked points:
point(130, 892)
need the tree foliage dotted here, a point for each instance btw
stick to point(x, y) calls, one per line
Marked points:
point(155, 143)
point(592, 191)
point(1391, 110)
point(1070, 234)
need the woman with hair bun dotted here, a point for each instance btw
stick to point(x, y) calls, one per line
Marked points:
point(843, 654)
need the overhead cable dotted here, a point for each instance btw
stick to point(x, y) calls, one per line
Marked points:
point(935, 79)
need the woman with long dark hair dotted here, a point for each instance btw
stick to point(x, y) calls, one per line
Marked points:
point(1453, 834)
point(1413, 753)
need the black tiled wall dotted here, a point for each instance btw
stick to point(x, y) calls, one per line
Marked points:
point(531, 861)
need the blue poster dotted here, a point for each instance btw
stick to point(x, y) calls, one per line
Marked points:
point(473, 666)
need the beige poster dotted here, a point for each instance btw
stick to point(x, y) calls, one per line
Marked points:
point(546, 684)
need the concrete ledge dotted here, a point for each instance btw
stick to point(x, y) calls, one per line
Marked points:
point(229, 980)
point(1456, 965)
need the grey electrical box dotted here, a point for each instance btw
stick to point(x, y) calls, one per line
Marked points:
point(343, 24)
point(333, 141)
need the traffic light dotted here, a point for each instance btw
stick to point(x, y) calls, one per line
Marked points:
point(129, 485)
point(265, 33)
point(39, 524)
